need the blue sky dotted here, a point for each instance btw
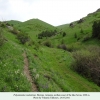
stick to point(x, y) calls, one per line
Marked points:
point(55, 12)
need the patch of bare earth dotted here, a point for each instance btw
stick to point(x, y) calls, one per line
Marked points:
point(27, 73)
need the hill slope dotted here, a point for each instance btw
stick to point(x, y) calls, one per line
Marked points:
point(77, 32)
point(48, 60)
point(32, 25)
point(85, 23)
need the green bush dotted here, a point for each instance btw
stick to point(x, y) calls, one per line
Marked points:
point(48, 44)
point(23, 37)
point(46, 33)
point(62, 46)
point(87, 63)
point(3, 25)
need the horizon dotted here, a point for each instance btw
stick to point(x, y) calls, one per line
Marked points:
point(54, 12)
point(37, 19)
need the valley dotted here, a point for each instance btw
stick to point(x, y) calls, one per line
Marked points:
point(36, 56)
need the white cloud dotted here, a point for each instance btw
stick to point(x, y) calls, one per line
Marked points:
point(55, 12)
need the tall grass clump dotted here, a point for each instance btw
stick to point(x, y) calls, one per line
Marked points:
point(87, 63)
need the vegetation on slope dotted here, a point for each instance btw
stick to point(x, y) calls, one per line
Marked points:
point(61, 62)
point(86, 32)
point(31, 25)
point(50, 68)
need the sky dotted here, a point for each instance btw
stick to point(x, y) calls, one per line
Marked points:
point(54, 12)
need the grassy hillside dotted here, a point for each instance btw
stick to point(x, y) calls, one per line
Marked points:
point(53, 67)
point(63, 27)
point(14, 22)
point(32, 25)
point(48, 62)
point(78, 35)
point(82, 29)
point(11, 66)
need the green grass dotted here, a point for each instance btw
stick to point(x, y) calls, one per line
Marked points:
point(85, 26)
point(55, 64)
point(50, 67)
point(32, 25)
point(11, 69)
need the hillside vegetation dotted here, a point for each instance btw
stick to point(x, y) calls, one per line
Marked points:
point(36, 56)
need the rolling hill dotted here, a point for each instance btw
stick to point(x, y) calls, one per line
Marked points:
point(31, 25)
point(77, 31)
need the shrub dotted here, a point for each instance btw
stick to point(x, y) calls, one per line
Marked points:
point(62, 46)
point(71, 25)
point(39, 42)
point(3, 25)
point(7, 24)
point(46, 33)
point(47, 43)
point(87, 63)
point(23, 37)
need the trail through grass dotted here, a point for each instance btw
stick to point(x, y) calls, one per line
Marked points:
point(53, 67)
point(27, 73)
point(48, 69)
point(11, 69)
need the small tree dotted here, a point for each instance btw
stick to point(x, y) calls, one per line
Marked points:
point(23, 37)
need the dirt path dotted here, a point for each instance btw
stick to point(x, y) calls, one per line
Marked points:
point(27, 73)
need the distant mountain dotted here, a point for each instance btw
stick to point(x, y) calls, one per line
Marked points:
point(14, 22)
point(63, 26)
point(32, 25)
